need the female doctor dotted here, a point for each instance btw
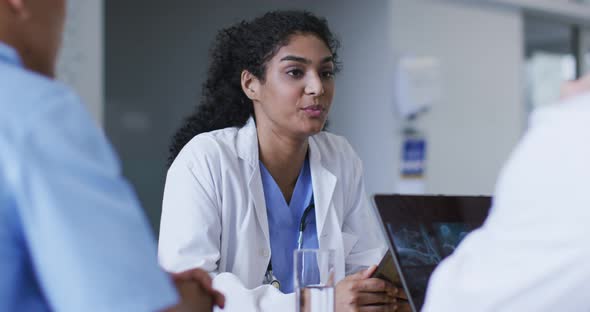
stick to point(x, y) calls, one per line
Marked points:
point(253, 158)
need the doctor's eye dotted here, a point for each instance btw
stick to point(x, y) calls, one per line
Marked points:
point(295, 73)
point(327, 74)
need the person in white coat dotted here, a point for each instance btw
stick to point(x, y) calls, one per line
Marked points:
point(253, 158)
point(532, 252)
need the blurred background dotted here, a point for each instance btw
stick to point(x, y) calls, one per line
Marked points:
point(461, 76)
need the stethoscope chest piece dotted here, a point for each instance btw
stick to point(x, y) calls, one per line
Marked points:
point(270, 279)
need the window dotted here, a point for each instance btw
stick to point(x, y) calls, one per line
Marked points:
point(553, 55)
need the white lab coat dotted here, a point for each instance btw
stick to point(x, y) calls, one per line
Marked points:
point(214, 214)
point(532, 254)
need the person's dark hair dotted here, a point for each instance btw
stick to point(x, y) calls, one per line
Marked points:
point(245, 46)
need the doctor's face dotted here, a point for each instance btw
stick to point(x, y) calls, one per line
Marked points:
point(296, 95)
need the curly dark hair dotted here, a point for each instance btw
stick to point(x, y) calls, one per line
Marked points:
point(245, 46)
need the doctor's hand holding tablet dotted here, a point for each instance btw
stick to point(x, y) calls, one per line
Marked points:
point(361, 292)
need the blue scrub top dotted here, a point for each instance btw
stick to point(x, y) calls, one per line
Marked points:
point(72, 234)
point(284, 220)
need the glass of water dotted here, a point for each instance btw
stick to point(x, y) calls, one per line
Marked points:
point(314, 280)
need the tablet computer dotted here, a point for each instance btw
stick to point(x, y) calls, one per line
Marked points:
point(421, 231)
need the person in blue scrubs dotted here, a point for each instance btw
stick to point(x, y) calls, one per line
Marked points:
point(285, 220)
point(72, 234)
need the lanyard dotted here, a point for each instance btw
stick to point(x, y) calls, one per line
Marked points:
point(269, 277)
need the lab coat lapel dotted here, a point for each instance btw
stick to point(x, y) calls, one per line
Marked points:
point(257, 193)
point(248, 150)
point(323, 184)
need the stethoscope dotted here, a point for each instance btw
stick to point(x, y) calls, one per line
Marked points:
point(269, 277)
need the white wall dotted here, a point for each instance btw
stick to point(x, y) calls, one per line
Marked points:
point(81, 59)
point(481, 115)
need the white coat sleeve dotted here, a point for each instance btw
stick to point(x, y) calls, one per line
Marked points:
point(190, 227)
point(190, 230)
point(263, 298)
point(532, 253)
point(364, 244)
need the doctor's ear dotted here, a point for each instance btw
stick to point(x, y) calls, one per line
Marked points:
point(19, 8)
point(250, 85)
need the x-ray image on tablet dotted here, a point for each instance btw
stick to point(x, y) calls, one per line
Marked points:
point(423, 230)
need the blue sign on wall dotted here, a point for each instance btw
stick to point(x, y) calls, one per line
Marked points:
point(413, 157)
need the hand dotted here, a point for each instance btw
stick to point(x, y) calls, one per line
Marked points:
point(402, 302)
point(576, 87)
point(196, 291)
point(359, 292)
